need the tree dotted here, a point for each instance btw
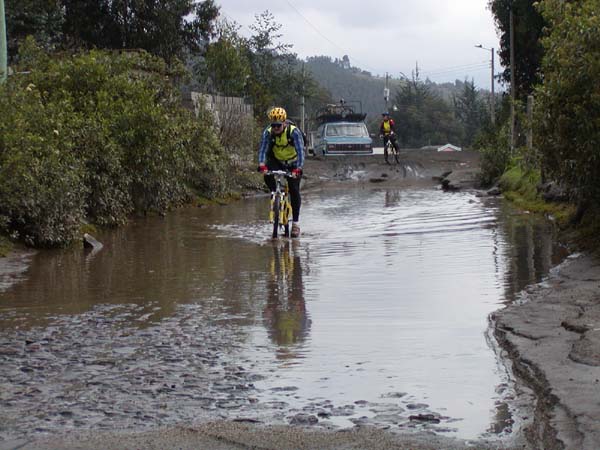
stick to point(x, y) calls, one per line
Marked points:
point(226, 65)
point(166, 28)
point(271, 64)
point(528, 28)
point(423, 118)
point(568, 102)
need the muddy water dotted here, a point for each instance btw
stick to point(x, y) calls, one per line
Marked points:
point(377, 315)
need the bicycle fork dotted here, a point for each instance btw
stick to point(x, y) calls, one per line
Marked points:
point(285, 209)
point(280, 210)
point(272, 207)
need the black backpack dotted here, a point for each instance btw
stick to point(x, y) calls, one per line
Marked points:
point(288, 132)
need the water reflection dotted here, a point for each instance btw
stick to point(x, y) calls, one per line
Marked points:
point(528, 248)
point(285, 312)
point(392, 198)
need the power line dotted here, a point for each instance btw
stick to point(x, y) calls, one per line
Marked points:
point(464, 69)
point(460, 66)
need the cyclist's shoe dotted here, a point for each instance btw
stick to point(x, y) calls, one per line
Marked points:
point(295, 230)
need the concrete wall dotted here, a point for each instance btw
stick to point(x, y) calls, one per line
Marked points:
point(222, 108)
point(234, 123)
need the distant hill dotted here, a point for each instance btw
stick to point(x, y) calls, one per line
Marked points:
point(355, 84)
point(350, 83)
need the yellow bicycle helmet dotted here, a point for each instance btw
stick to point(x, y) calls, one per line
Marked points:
point(277, 114)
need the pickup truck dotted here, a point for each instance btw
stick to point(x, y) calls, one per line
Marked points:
point(341, 131)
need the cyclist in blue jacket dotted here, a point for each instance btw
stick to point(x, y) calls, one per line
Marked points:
point(282, 148)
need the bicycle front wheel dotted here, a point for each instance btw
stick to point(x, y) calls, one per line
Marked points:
point(276, 206)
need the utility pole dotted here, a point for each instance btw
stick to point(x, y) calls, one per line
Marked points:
point(512, 81)
point(529, 121)
point(386, 91)
point(3, 48)
point(493, 96)
point(493, 99)
point(302, 102)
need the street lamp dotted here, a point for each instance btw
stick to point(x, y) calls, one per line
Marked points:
point(492, 101)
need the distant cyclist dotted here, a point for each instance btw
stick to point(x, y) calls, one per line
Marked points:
point(387, 131)
point(282, 148)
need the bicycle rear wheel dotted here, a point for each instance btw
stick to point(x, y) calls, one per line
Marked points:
point(276, 206)
point(286, 211)
point(396, 155)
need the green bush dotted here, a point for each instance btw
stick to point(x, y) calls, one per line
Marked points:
point(42, 193)
point(495, 156)
point(98, 136)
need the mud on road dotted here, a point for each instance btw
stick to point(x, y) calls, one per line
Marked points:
point(417, 168)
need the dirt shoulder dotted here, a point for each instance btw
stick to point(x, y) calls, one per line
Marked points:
point(552, 337)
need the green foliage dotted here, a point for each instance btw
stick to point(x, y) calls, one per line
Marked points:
point(42, 192)
point(271, 63)
point(226, 63)
point(97, 136)
point(493, 143)
point(493, 161)
point(568, 102)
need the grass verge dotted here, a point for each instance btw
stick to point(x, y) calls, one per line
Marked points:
point(520, 188)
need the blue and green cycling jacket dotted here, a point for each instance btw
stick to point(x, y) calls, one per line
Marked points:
point(282, 150)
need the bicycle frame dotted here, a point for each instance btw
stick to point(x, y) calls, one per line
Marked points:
point(280, 208)
point(390, 150)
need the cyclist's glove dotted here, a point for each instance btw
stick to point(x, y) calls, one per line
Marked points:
point(262, 168)
point(297, 172)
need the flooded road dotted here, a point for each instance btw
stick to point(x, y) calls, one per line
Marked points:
point(377, 315)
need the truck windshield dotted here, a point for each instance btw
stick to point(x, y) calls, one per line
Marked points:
point(347, 129)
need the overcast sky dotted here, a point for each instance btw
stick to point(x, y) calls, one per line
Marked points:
point(385, 36)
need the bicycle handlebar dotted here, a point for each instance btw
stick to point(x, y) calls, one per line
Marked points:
point(284, 173)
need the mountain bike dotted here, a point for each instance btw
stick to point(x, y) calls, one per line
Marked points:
point(388, 150)
point(280, 208)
